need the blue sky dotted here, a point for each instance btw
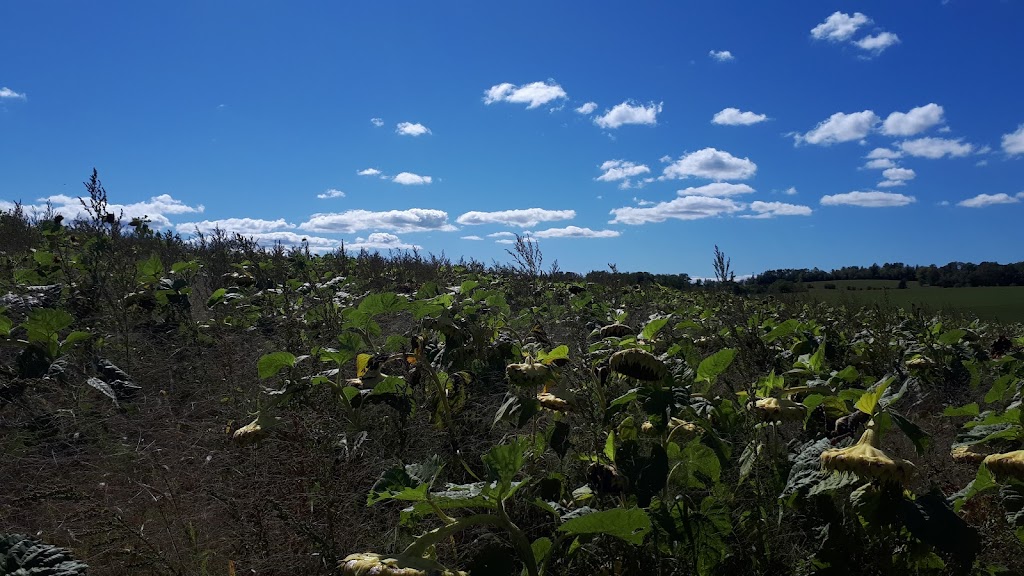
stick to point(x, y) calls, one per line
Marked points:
point(794, 134)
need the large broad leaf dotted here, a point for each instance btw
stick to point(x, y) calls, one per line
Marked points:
point(631, 525)
point(806, 469)
point(270, 364)
point(504, 461)
point(1000, 389)
point(386, 303)
point(921, 439)
point(952, 337)
point(695, 465)
point(5, 326)
point(983, 482)
point(869, 400)
point(397, 484)
point(971, 409)
point(782, 330)
point(713, 366)
point(653, 327)
point(44, 324)
point(931, 521)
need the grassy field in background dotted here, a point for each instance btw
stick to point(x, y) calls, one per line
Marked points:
point(1002, 303)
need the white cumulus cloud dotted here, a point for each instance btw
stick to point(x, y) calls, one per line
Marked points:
point(734, 117)
point(880, 164)
point(869, 199)
point(368, 172)
point(628, 113)
point(533, 95)
point(884, 153)
point(721, 55)
point(7, 93)
point(621, 170)
point(839, 26)
point(587, 108)
point(523, 218)
point(841, 127)
point(410, 129)
point(1013, 143)
point(982, 200)
point(380, 241)
point(575, 232)
point(410, 179)
point(331, 193)
point(682, 208)
point(378, 122)
point(244, 226)
point(472, 237)
point(712, 164)
point(913, 122)
point(936, 147)
point(351, 221)
point(899, 174)
point(717, 190)
point(877, 43)
point(773, 209)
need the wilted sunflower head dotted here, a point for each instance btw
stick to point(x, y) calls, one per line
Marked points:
point(615, 330)
point(528, 374)
point(552, 402)
point(370, 564)
point(968, 454)
point(639, 364)
point(866, 460)
point(780, 409)
point(1006, 465)
point(253, 431)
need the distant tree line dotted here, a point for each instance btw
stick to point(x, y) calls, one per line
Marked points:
point(952, 275)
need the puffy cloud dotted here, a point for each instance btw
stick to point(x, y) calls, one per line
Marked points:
point(331, 193)
point(717, 190)
point(7, 93)
point(350, 221)
point(1013, 143)
point(244, 226)
point(841, 127)
point(410, 129)
point(155, 209)
point(791, 191)
point(293, 240)
point(523, 218)
point(773, 209)
point(913, 122)
point(880, 164)
point(899, 174)
point(368, 172)
point(721, 55)
point(534, 94)
point(878, 153)
point(936, 147)
point(682, 208)
point(502, 235)
point(410, 179)
point(712, 164)
point(839, 26)
point(982, 200)
point(471, 238)
point(378, 122)
point(380, 241)
point(869, 199)
point(877, 43)
point(587, 108)
point(627, 113)
point(575, 232)
point(733, 117)
point(621, 170)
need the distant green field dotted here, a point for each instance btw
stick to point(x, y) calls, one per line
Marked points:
point(1002, 303)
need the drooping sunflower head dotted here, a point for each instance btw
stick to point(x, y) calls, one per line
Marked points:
point(370, 564)
point(866, 460)
point(779, 409)
point(615, 330)
point(552, 402)
point(528, 374)
point(639, 364)
point(1007, 464)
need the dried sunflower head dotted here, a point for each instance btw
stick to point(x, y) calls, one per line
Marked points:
point(615, 330)
point(967, 454)
point(866, 460)
point(780, 409)
point(639, 364)
point(528, 374)
point(370, 564)
point(253, 431)
point(552, 402)
point(1006, 465)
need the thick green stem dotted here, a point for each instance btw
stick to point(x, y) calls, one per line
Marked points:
point(419, 547)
